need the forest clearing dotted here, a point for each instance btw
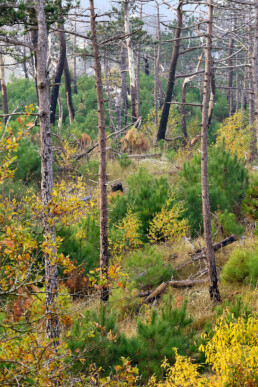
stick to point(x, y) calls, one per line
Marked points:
point(129, 193)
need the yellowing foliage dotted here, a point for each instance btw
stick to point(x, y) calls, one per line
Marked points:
point(235, 132)
point(134, 141)
point(126, 235)
point(167, 225)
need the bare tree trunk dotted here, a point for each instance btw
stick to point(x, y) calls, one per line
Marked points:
point(25, 69)
point(59, 71)
point(230, 79)
point(123, 83)
point(255, 71)
point(75, 90)
point(212, 95)
point(157, 64)
point(251, 93)
point(106, 71)
point(34, 41)
point(131, 64)
point(3, 87)
point(51, 274)
point(213, 279)
point(104, 253)
point(172, 73)
point(68, 91)
point(186, 81)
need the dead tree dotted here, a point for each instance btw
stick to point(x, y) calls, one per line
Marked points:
point(3, 87)
point(104, 253)
point(212, 270)
point(172, 74)
point(255, 70)
point(131, 63)
point(51, 274)
point(68, 91)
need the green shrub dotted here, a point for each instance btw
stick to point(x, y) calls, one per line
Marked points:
point(155, 339)
point(228, 181)
point(242, 266)
point(145, 195)
point(96, 339)
point(229, 224)
point(124, 161)
point(250, 203)
point(28, 161)
point(146, 267)
point(238, 309)
point(171, 155)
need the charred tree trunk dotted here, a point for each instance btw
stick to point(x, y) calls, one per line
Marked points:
point(68, 91)
point(213, 278)
point(230, 79)
point(51, 274)
point(104, 253)
point(58, 72)
point(172, 73)
point(3, 88)
point(131, 64)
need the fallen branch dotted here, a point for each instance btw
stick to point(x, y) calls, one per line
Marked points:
point(175, 284)
point(201, 254)
point(152, 156)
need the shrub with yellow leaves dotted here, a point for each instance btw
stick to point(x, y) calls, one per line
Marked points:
point(168, 225)
point(236, 134)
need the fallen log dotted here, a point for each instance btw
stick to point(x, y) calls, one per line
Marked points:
point(201, 254)
point(139, 156)
point(175, 284)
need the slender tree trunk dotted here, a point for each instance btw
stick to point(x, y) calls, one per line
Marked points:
point(171, 78)
point(104, 253)
point(123, 72)
point(251, 93)
point(3, 87)
point(131, 64)
point(138, 69)
point(68, 91)
point(183, 113)
point(25, 69)
point(230, 79)
point(213, 279)
point(58, 72)
point(34, 41)
point(255, 71)
point(212, 94)
point(156, 89)
point(106, 71)
point(51, 274)
point(161, 94)
point(75, 90)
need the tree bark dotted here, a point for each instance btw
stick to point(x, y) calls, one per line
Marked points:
point(106, 71)
point(123, 83)
point(131, 64)
point(51, 274)
point(251, 93)
point(58, 72)
point(3, 88)
point(230, 79)
point(68, 91)
point(213, 278)
point(255, 70)
point(75, 90)
point(104, 253)
point(171, 78)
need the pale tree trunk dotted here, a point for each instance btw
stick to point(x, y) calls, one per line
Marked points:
point(51, 274)
point(157, 63)
point(172, 74)
point(255, 71)
point(213, 279)
point(3, 87)
point(251, 92)
point(104, 253)
point(138, 69)
point(75, 90)
point(230, 79)
point(186, 81)
point(131, 64)
point(123, 72)
point(68, 91)
point(106, 71)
